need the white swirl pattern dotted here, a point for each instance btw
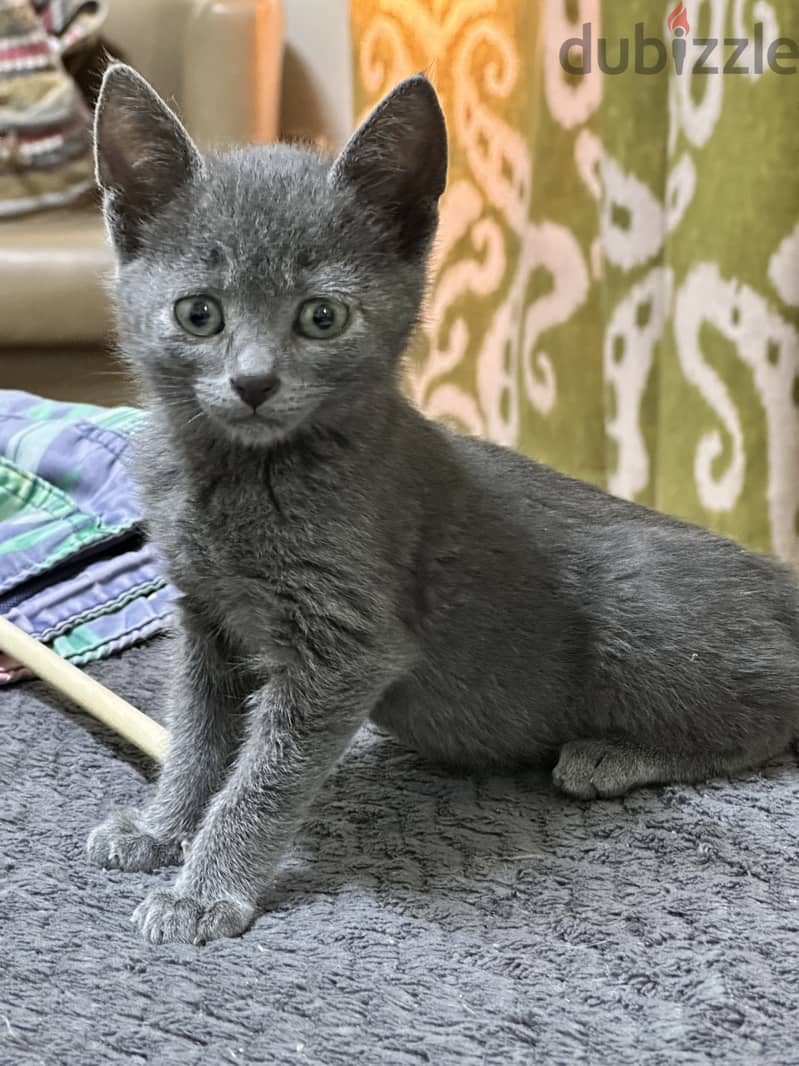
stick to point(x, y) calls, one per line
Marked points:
point(491, 355)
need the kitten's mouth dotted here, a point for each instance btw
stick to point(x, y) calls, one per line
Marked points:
point(253, 416)
point(255, 427)
point(258, 421)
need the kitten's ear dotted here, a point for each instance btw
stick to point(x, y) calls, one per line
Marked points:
point(142, 154)
point(397, 162)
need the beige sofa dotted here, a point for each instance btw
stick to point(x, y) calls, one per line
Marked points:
point(219, 62)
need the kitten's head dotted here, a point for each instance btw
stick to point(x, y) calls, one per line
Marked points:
point(267, 288)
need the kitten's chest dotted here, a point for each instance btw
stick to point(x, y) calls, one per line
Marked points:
point(261, 563)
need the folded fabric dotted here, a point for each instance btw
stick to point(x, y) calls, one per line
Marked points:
point(123, 626)
point(63, 484)
point(75, 569)
point(45, 124)
point(71, 24)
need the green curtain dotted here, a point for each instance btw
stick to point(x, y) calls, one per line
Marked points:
point(616, 282)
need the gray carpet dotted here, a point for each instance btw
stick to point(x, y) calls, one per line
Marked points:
point(421, 918)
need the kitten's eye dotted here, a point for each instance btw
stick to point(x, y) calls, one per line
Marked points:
point(322, 318)
point(200, 315)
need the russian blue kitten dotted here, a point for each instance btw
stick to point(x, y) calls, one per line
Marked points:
point(340, 557)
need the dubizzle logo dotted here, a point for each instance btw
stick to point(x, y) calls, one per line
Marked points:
point(650, 55)
point(680, 26)
point(678, 21)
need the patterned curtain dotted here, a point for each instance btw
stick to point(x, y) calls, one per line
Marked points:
point(616, 282)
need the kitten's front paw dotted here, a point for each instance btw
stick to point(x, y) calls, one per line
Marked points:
point(121, 843)
point(167, 917)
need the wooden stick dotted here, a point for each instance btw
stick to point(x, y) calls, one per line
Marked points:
point(132, 724)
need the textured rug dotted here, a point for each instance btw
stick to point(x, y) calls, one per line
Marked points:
point(420, 919)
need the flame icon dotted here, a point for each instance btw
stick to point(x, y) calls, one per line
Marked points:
point(678, 21)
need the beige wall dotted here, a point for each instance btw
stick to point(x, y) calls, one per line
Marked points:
point(317, 79)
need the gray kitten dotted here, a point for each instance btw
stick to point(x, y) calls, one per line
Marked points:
point(341, 558)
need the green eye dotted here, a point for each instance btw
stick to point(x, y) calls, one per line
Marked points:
point(200, 315)
point(322, 318)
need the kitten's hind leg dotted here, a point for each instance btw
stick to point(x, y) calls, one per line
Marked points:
point(588, 769)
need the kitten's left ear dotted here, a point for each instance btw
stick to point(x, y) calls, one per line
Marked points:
point(397, 162)
point(142, 154)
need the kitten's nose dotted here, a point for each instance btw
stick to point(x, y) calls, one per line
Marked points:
point(254, 389)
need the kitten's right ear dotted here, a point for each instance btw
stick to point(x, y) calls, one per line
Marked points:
point(142, 154)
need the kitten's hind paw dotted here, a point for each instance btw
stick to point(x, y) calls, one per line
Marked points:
point(121, 843)
point(166, 917)
point(588, 769)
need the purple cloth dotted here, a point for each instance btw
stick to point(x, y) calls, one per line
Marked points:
point(75, 570)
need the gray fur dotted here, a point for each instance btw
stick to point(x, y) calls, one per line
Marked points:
point(341, 557)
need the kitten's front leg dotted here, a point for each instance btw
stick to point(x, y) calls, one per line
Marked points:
point(293, 739)
point(205, 724)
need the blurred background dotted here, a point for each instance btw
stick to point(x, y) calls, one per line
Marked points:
point(616, 281)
